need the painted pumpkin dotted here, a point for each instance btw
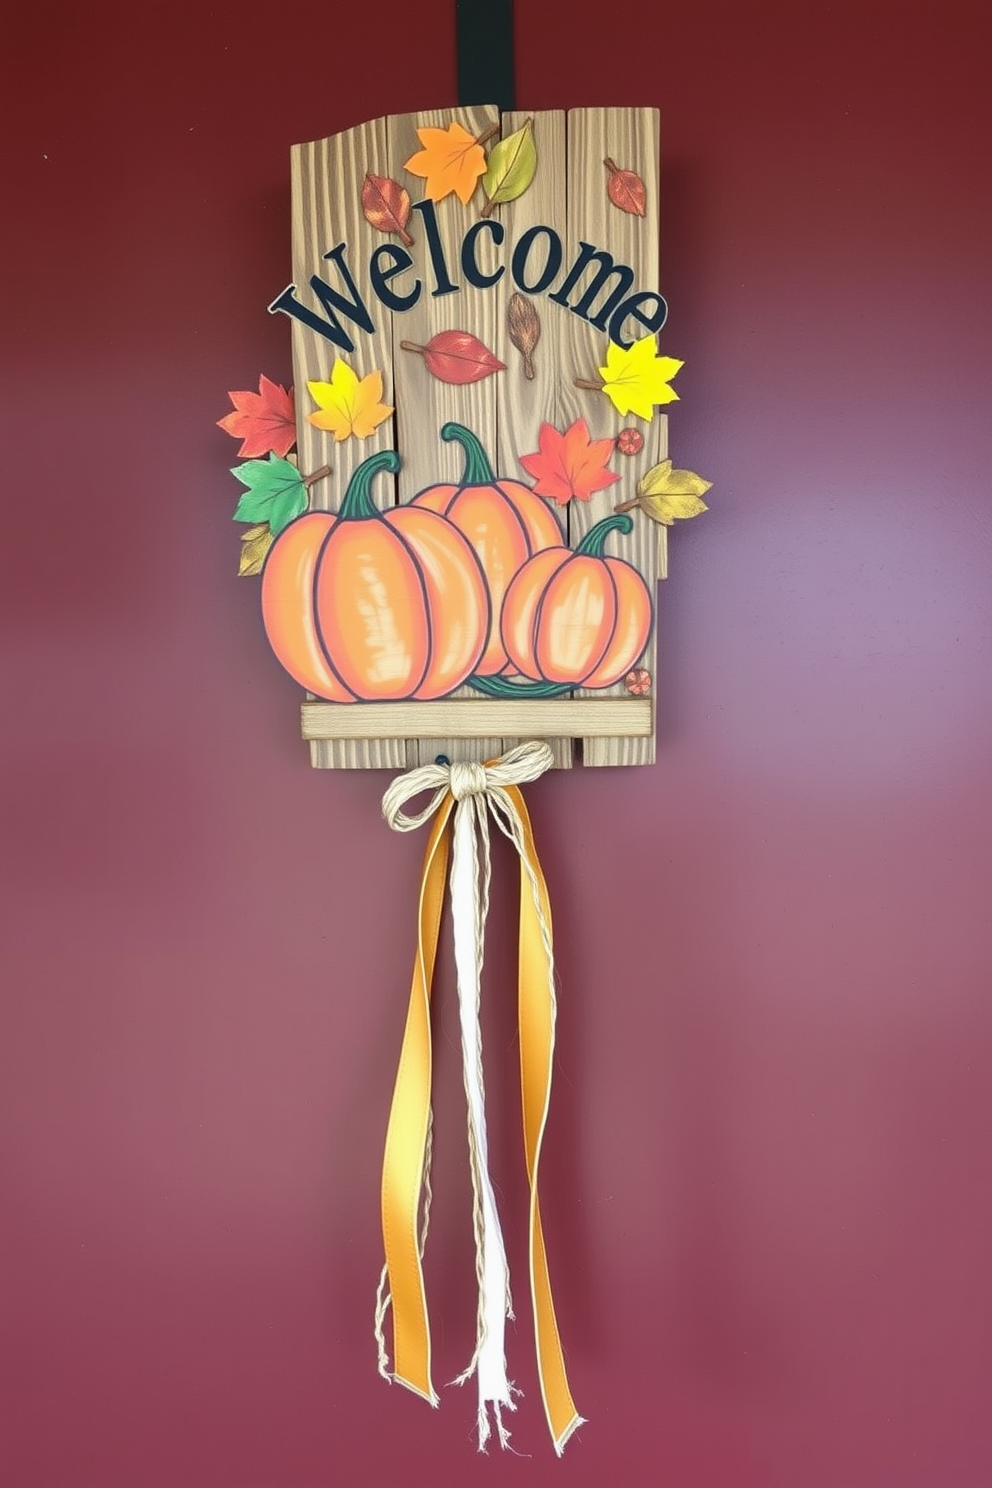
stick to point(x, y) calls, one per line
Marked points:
point(577, 617)
point(503, 520)
point(375, 605)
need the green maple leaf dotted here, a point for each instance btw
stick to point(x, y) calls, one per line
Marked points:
point(276, 493)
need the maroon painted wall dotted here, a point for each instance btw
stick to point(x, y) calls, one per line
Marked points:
point(767, 1192)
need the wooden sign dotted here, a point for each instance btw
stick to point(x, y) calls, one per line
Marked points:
point(459, 526)
point(465, 554)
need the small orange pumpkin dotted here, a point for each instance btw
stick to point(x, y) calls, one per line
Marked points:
point(503, 520)
point(577, 617)
point(375, 605)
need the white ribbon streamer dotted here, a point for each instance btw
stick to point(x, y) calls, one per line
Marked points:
point(477, 789)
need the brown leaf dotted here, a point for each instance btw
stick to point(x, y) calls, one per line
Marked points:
point(626, 189)
point(386, 205)
point(523, 325)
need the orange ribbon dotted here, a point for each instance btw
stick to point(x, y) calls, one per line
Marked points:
point(403, 1173)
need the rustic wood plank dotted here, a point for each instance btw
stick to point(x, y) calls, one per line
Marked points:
point(629, 136)
point(357, 754)
point(462, 719)
point(327, 178)
point(524, 403)
point(423, 402)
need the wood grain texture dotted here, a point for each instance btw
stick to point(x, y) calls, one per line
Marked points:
point(424, 404)
point(630, 136)
point(523, 404)
point(327, 177)
point(460, 719)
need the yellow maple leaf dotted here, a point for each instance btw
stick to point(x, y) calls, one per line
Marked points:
point(636, 378)
point(452, 161)
point(666, 494)
point(348, 405)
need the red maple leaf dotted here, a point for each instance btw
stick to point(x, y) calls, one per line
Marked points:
point(570, 464)
point(265, 420)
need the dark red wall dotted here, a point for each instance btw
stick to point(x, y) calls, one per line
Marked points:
point(767, 1190)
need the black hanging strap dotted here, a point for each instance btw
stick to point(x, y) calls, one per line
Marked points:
point(485, 52)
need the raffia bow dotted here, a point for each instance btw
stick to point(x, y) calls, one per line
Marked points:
point(463, 798)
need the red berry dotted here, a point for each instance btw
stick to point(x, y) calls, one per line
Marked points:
point(630, 441)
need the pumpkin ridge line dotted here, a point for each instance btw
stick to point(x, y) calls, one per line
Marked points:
point(613, 628)
point(411, 553)
point(318, 627)
point(504, 495)
point(536, 627)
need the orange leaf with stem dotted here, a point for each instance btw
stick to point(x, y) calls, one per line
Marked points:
point(452, 160)
point(570, 464)
point(626, 190)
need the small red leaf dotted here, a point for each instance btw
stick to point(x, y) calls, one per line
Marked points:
point(626, 189)
point(265, 420)
point(386, 205)
point(456, 356)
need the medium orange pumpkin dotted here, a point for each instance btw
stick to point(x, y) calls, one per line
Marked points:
point(375, 605)
point(577, 617)
point(503, 520)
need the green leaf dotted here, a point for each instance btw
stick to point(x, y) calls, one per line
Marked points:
point(512, 165)
point(276, 493)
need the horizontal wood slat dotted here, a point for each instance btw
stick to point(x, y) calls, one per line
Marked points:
point(471, 719)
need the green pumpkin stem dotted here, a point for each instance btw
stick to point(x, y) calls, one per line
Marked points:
point(478, 471)
point(592, 544)
point(358, 504)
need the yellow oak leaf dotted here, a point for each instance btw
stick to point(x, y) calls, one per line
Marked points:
point(255, 543)
point(347, 404)
point(452, 161)
point(636, 378)
point(666, 494)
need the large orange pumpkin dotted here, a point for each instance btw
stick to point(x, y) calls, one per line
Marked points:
point(503, 520)
point(577, 617)
point(375, 605)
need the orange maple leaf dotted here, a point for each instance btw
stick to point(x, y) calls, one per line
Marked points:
point(452, 161)
point(265, 420)
point(570, 464)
